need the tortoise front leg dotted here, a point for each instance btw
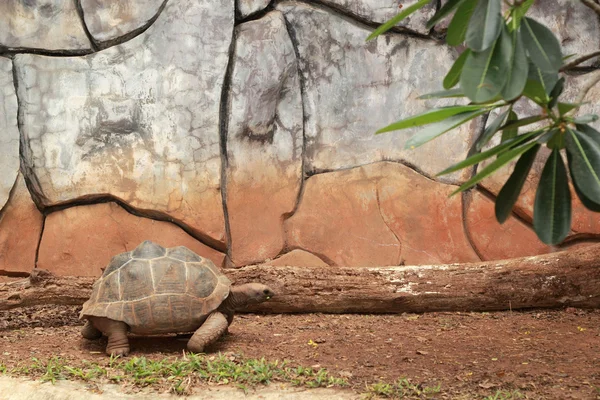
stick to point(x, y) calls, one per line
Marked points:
point(211, 330)
point(118, 343)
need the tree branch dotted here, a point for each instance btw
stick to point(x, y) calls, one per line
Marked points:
point(578, 61)
point(595, 78)
point(591, 4)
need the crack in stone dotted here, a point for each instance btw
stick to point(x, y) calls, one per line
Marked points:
point(399, 260)
point(466, 199)
point(39, 244)
point(14, 274)
point(359, 21)
point(95, 45)
point(302, 84)
point(30, 178)
point(128, 36)
point(224, 110)
point(144, 213)
point(93, 42)
point(407, 164)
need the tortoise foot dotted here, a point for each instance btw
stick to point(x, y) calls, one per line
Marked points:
point(117, 351)
point(90, 332)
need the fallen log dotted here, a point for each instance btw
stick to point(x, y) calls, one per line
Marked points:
point(568, 278)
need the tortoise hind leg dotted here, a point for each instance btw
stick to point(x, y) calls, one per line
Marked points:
point(211, 330)
point(118, 343)
point(90, 332)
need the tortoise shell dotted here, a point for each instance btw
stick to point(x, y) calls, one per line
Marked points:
point(158, 290)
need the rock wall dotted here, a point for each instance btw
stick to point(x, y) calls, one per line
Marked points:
point(244, 131)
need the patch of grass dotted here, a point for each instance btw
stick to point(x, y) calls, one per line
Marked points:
point(505, 395)
point(179, 374)
point(402, 388)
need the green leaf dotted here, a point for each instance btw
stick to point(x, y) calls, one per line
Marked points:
point(509, 193)
point(586, 119)
point(546, 137)
point(557, 141)
point(520, 12)
point(590, 132)
point(435, 130)
point(564, 108)
point(518, 69)
point(552, 206)
point(490, 130)
point(587, 203)
point(542, 46)
point(485, 25)
point(556, 92)
point(585, 165)
point(479, 157)
point(499, 162)
point(523, 122)
point(539, 84)
point(442, 94)
point(509, 133)
point(457, 30)
point(394, 21)
point(453, 76)
point(429, 117)
point(485, 74)
point(446, 9)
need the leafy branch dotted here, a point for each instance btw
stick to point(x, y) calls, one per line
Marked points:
point(509, 58)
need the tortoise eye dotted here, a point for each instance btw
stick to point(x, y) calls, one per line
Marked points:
point(266, 291)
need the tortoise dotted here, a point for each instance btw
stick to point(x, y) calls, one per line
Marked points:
point(153, 290)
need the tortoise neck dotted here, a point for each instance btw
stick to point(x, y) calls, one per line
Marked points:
point(237, 299)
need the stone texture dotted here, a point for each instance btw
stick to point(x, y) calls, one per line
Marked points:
point(20, 230)
point(353, 88)
point(379, 214)
point(42, 24)
point(81, 240)
point(380, 11)
point(264, 141)
point(496, 241)
point(138, 121)
point(108, 20)
point(9, 131)
point(298, 258)
point(249, 7)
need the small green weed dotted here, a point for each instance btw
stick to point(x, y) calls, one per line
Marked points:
point(180, 373)
point(402, 388)
point(505, 395)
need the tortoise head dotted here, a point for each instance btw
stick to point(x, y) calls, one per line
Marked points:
point(250, 293)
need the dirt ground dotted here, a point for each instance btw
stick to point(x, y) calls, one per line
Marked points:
point(540, 354)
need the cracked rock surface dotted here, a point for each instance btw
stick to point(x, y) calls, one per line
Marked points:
point(380, 11)
point(108, 20)
point(9, 131)
point(138, 121)
point(389, 213)
point(264, 141)
point(249, 7)
point(353, 88)
point(20, 229)
point(82, 240)
point(50, 25)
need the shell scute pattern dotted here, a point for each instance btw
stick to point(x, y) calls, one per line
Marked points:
point(169, 275)
point(148, 250)
point(136, 280)
point(109, 290)
point(201, 281)
point(117, 262)
point(184, 254)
